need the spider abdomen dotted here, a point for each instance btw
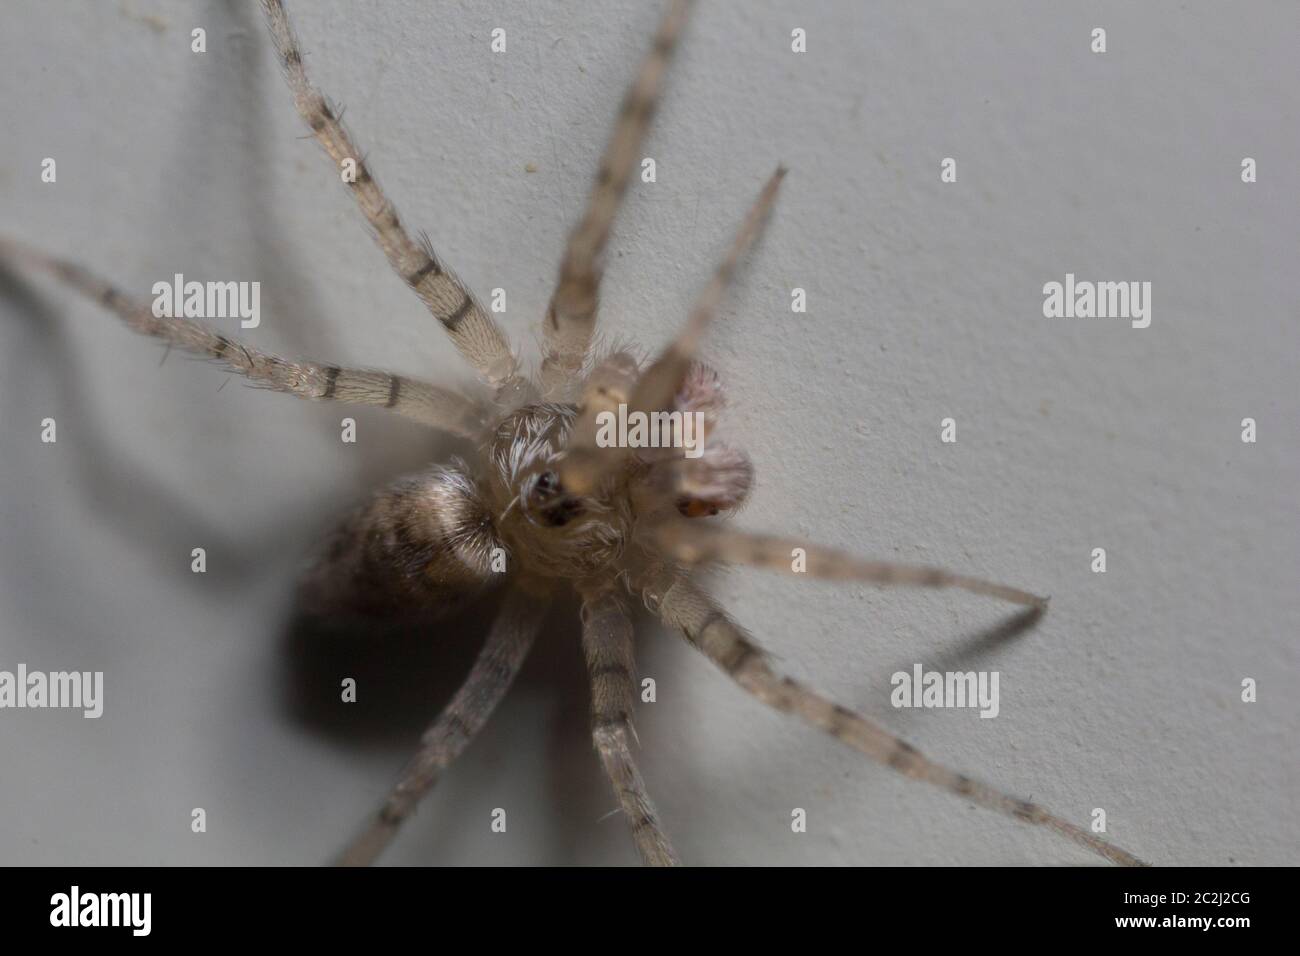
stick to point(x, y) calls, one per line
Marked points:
point(426, 542)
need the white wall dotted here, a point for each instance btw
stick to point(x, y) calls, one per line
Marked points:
point(925, 302)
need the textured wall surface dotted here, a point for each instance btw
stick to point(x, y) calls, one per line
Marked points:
point(924, 302)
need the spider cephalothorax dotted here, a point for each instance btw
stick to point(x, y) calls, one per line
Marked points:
point(558, 533)
point(545, 504)
point(553, 533)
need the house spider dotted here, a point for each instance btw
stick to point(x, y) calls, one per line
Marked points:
point(544, 505)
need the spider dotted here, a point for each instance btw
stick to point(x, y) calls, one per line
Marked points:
point(544, 506)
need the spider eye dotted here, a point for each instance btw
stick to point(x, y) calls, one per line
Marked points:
point(562, 512)
point(547, 503)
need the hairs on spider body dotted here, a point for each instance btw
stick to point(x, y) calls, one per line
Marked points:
point(429, 542)
point(542, 492)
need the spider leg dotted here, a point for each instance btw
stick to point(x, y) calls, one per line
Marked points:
point(421, 401)
point(682, 605)
point(493, 672)
point(609, 384)
point(696, 544)
point(656, 388)
point(571, 315)
point(585, 463)
point(472, 331)
point(607, 644)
